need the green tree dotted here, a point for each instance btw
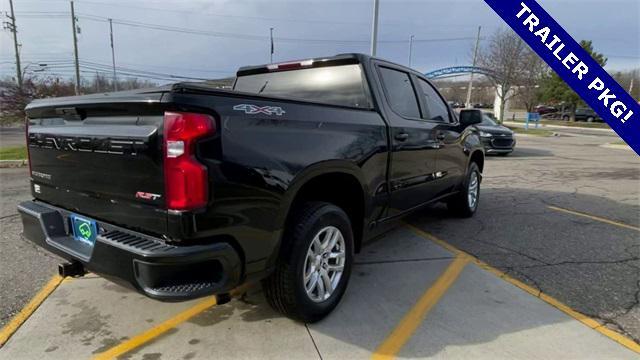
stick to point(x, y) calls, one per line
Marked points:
point(555, 90)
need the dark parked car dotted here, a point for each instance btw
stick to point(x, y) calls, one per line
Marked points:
point(545, 109)
point(190, 190)
point(584, 114)
point(496, 139)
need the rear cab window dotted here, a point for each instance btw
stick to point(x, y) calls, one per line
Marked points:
point(342, 85)
point(399, 92)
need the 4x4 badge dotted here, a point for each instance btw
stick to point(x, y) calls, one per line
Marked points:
point(254, 109)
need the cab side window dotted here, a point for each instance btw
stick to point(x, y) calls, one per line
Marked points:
point(399, 92)
point(437, 109)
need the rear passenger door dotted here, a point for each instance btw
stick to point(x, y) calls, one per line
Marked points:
point(413, 141)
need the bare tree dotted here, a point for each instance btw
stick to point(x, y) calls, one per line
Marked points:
point(630, 81)
point(503, 55)
point(534, 71)
point(13, 99)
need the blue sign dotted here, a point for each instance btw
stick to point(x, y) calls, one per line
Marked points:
point(574, 65)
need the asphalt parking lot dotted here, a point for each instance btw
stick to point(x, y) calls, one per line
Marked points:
point(559, 225)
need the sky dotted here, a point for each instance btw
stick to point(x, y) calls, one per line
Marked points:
point(211, 39)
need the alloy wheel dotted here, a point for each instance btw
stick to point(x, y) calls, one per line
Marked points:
point(324, 264)
point(472, 191)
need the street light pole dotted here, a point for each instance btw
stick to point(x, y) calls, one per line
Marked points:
point(75, 49)
point(410, 48)
point(113, 56)
point(374, 29)
point(475, 55)
point(272, 49)
point(12, 27)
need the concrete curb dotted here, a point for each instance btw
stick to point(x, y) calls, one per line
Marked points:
point(4, 164)
point(616, 146)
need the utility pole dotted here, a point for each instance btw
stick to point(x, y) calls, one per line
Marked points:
point(410, 48)
point(374, 29)
point(475, 56)
point(75, 48)
point(633, 76)
point(11, 26)
point(113, 56)
point(271, 52)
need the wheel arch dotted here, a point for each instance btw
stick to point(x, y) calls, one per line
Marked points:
point(337, 182)
point(478, 157)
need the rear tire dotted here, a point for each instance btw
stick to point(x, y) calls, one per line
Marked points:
point(461, 204)
point(316, 227)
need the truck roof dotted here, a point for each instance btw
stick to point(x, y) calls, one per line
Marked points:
point(339, 59)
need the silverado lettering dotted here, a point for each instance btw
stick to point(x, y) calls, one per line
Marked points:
point(86, 144)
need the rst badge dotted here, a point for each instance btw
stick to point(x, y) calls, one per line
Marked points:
point(147, 196)
point(251, 109)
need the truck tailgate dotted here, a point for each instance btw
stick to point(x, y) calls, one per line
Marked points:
point(100, 159)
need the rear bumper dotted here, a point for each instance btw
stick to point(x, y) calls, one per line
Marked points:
point(153, 267)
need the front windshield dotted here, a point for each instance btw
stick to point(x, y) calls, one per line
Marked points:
point(486, 120)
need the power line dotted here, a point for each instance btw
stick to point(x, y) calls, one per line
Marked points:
point(69, 72)
point(251, 17)
point(69, 65)
point(248, 17)
point(191, 31)
point(69, 61)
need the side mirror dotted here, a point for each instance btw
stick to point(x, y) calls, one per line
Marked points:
point(470, 117)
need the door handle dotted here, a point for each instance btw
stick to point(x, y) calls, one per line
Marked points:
point(401, 136)
point(440, 136)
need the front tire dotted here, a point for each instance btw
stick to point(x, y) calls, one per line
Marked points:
point(465, 203)
point(314, 265)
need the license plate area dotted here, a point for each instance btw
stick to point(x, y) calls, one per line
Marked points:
point(84, 230)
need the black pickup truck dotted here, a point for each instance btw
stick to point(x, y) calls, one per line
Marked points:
point(188, 190)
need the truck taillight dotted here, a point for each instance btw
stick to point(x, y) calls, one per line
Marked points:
point(186, 180)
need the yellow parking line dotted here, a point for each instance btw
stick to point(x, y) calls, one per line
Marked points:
point(29, 309)
point(592, 323)
point(408, 325)
point(156, 331)
point(596, 218)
